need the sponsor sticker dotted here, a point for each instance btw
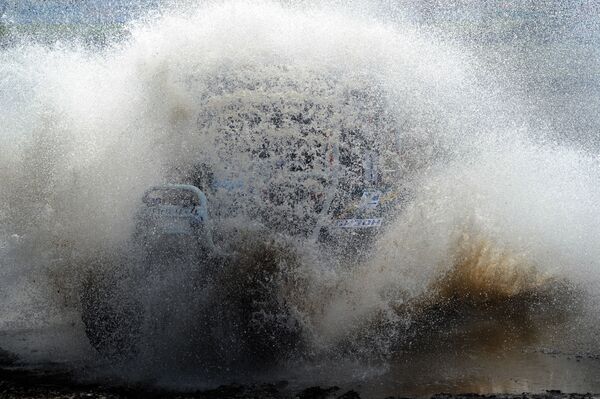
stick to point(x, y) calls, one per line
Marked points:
point(357, 223)
point(370, 199)
point(171, 211)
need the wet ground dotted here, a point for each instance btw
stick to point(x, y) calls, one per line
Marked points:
point(47, 384)
point(58, 363)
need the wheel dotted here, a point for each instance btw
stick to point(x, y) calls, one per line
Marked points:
point(254, 319)
point(111, 318)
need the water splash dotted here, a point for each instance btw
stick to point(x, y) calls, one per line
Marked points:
point(490, 212)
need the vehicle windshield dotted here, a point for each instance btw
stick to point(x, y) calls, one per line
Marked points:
point(171, 197)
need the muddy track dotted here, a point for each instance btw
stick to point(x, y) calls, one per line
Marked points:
point(20, 383)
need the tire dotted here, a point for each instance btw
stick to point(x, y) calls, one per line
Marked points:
point(254, 319)
point(112, 320)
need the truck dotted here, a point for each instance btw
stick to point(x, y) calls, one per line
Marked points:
point(264, 171)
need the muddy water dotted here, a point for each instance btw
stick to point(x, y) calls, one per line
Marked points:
point(485, 373)
point(490, 359)
point(485, 359)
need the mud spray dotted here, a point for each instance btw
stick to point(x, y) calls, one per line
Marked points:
point(498, 222)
